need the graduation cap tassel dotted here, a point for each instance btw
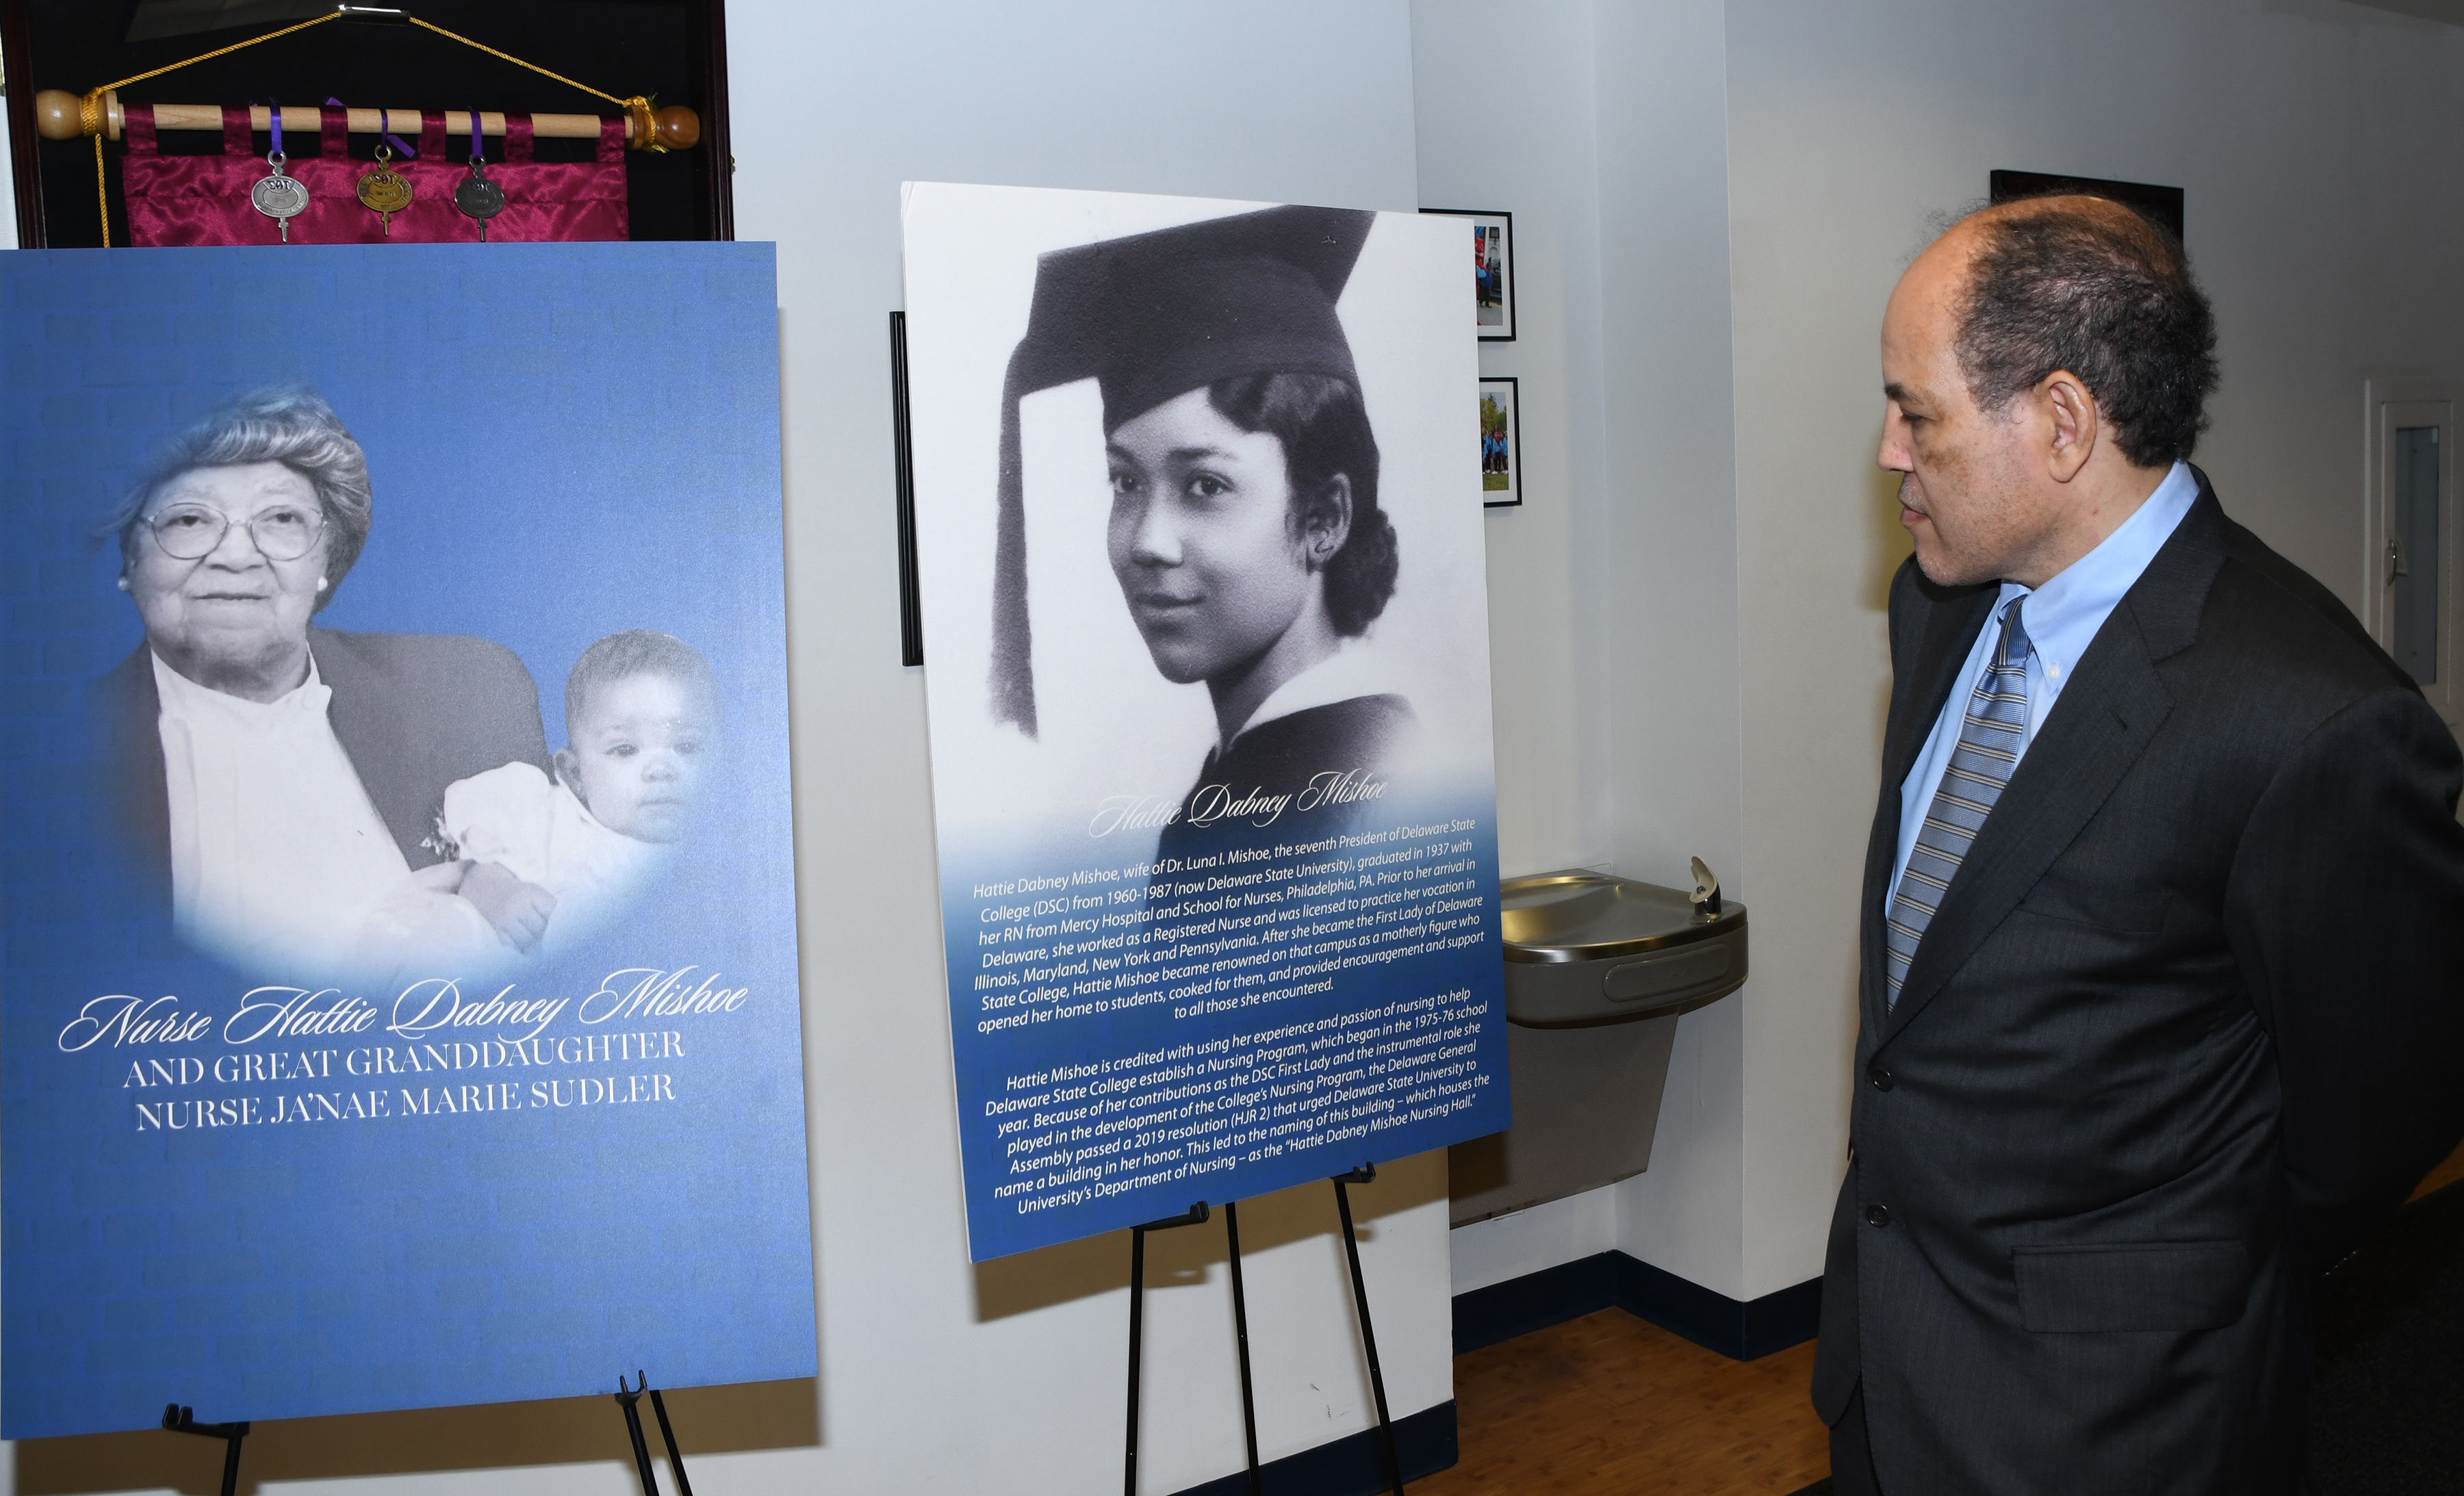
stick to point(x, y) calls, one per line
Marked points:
point(1013, 676)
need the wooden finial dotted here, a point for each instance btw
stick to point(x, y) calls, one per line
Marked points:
point(677, 127)
point(59, 114)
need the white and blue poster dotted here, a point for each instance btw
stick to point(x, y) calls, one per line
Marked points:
point(1207, 661)
point(399, 994)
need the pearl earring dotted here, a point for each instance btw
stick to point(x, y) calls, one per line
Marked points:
point(124, 583)
point(320, 584)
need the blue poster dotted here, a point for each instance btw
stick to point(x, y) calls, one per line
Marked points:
point(1207, 660)
point(399, 995)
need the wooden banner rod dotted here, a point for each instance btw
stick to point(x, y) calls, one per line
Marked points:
point(58, 116)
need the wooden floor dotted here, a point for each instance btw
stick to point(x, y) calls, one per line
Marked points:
point(1609, 1403)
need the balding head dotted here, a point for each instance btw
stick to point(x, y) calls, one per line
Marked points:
point(2089, 285)
point(2046, 362)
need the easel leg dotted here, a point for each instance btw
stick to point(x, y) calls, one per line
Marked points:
point(1364, 1175)
point(1241, 1337)
point(1196, 1216)
point(626, 1398)
point(667, 1431)
point(183, 1420)
point(1137, 1306)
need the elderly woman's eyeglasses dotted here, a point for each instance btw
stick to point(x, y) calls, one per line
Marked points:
point(190, 532)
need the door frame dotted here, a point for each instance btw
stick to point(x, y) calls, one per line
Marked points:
point(2389, 403)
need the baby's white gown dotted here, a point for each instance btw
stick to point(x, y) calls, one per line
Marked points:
point(543, 834)
point(536, 828)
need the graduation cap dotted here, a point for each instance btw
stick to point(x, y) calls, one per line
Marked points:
point(1153, 317)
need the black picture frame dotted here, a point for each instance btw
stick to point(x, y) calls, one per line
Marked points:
point(2164, 204)
point(674, 50)
point(1510, 425)
point(1500, 329)
point(902, 446)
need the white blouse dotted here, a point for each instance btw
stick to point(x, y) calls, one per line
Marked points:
point(277, 854)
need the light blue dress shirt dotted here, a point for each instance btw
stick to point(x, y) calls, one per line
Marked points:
point(2062, 617)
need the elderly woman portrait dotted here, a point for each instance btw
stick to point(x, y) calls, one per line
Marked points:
point(279, 778)
point(1245, 531)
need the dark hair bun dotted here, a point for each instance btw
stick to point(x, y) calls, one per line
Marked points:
point(1361, 575)
point(1324, 428)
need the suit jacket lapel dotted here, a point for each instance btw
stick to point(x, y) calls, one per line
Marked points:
point(1917, 699)
point(1950, 632)
point(130, 727)
point(2107, 715)
point(369, 724)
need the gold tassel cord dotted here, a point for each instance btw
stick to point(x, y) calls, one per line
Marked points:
point(637, 107)
point(91, 115)
point(208, 56)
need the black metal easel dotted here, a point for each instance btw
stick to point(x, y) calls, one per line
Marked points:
point(183, 1420)
point(1195, 1216)
point(626, 1398)
point(1240, 1338)
point(1366, 1174)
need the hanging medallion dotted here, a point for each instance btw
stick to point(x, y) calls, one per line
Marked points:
point(279, 197)
point(385, 190)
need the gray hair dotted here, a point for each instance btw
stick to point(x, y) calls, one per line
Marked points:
point(289, 424)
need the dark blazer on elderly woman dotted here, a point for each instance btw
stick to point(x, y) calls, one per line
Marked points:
point(413, 712)
point(2190, 1020)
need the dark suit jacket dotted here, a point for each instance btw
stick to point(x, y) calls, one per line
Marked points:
point(1281, 758)
point(2186, 1023)
point(414, 712)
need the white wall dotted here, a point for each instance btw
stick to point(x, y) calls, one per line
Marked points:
point(1758, 173)
point(2322, 147)
point(937, 1376)
point(1613, 590)
point(1711, 203)
point(1548, 648)
point(932, 1375)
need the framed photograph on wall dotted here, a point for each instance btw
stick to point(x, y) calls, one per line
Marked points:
point(1501, 445)
point(1492, 260)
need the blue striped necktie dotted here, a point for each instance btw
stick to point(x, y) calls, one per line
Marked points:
point(1990, 741)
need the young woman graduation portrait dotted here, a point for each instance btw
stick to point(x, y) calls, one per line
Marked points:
point(1245, 528)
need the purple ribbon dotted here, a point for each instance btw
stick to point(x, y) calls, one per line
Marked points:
point(276, 113)
point(385, 131)
point(476, 153)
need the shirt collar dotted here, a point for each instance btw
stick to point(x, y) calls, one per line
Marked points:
point(183, 698)
point(2064, 614)
point(1352, 670)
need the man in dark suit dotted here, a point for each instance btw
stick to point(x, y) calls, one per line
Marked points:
point(2163, 912)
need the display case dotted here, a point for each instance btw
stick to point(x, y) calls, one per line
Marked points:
point(673, 51)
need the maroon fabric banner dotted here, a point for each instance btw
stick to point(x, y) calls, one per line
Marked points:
point(190, 200)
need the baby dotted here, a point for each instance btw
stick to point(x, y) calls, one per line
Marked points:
point(545, 861)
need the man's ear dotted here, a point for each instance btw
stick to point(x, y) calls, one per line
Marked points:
point(2077, 423)
point(1326, 522)
point(568, 773)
